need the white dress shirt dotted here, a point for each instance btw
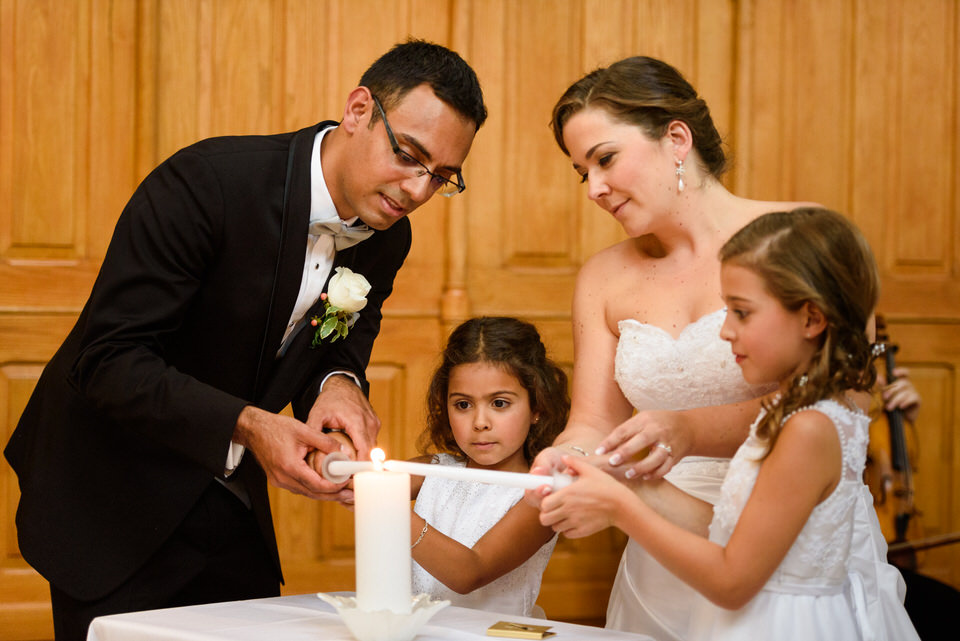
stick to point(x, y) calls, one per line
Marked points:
point(316, 268)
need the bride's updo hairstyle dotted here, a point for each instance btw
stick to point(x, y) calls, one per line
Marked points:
point(814, 255)
point(650, 94)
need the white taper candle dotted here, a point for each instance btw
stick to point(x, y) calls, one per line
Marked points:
point(337, 468)
point(495, 477)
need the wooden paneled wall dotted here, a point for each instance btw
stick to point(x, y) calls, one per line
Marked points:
point(851, 103)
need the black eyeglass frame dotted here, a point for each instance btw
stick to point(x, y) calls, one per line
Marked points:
point(454, 187)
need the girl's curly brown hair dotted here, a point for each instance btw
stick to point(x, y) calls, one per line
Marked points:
point(515, 346)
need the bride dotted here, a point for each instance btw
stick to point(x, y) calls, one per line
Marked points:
point(647, 314)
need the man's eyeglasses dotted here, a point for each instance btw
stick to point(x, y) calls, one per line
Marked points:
point(445, 182)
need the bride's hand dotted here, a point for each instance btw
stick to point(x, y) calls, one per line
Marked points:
point(647, 445)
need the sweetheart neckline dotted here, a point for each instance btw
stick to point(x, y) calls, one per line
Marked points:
point(683, 331)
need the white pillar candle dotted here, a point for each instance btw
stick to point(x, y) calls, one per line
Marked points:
point(382, 531)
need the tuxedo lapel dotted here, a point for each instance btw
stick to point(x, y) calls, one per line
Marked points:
point(293, 245)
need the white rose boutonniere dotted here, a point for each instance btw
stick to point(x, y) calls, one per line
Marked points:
point(346, 295)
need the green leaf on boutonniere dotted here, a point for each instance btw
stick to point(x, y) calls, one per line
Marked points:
point(328, 326)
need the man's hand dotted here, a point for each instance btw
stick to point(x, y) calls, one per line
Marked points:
point(342, 406)
point(315, 460)
point(281, 445)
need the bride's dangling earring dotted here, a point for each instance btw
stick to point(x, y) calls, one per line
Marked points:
point(680, 171)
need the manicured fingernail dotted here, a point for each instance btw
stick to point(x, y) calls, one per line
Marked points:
point(616, 459)
point(600, 450)
point(630, 473)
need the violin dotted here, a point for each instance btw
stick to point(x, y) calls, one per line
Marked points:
point(889, 474)
point(890, 461)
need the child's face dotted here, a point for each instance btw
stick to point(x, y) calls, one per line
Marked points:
point(490, 416)
point(770, 342)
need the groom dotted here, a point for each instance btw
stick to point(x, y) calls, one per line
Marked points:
point(144, 453)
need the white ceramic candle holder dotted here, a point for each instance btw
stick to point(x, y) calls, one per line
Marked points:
point(384, 625)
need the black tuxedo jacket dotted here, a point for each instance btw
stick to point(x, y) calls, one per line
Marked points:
point(132, 418)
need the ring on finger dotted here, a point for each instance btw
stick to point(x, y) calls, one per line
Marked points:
point(666, 448)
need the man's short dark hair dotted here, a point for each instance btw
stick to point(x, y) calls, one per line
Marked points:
point(415, 62)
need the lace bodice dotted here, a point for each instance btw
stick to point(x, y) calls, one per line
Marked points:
point(697, 369)
point(465, 511)
point(822, 548)
point(656, 371)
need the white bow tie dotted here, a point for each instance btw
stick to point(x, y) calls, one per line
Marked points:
point(343, 235)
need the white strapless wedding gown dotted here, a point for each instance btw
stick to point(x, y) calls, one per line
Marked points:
point(697, 369)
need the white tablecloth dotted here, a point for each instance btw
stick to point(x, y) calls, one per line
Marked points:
point(305, 617)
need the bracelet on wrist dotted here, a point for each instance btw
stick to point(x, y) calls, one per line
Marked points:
point(577, 449)
point(420, 538)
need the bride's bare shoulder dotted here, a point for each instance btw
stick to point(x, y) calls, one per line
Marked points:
point(607, 271)
point(616, 257)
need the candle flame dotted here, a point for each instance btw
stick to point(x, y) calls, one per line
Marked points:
point(378, 457)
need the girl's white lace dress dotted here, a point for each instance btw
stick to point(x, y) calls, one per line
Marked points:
point(464, 511)
point(811, 595)
point(697, 369)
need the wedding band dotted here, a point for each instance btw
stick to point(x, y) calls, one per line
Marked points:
point(666, 448)
point(578, 450)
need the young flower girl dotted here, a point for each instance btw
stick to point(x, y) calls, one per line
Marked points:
point(494, 402)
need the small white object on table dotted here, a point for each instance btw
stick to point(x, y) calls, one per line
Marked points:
point(305, 617)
